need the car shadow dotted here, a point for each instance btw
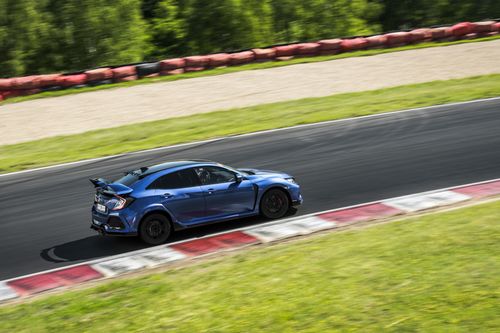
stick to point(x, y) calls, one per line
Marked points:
point(95, 247)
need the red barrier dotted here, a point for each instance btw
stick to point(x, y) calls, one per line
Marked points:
point(440, 33)
point(71, 80)
point(49, 80)
point(330, 44)
point(5, 84)
point(397, 38)
point(99, 74)
point(126, 78)
point(286, 50)
point(376, 41)
point(194, 69)
point(26, 82)
point(196, 61)
point(420, 35)
point(241, 58)
point(218, 59)
point(121, 72)
point(308, 49)
point(484, 27)
point(172, 71)
point(11, 93)
point(354, 44)
point(462, 29)
point(172, 64)
point(264, 54)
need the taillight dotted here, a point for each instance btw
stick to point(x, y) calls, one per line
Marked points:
point(122, 202)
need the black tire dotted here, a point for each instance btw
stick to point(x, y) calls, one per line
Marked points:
point(148, 68)
point(274, 204)
point(155, 229)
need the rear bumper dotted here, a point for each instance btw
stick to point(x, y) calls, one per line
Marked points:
point(111, 224)
point(102, 231)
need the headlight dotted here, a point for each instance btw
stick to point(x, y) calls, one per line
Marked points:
point(291, 180)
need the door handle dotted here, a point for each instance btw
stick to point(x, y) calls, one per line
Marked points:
point(211, 191)
point(167, 195)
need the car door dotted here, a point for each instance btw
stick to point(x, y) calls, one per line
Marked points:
point(181, 194)
point(224, 195)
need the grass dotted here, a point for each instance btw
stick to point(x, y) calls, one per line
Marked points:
point(434, 273)
point(254, 66)
point(222, 123)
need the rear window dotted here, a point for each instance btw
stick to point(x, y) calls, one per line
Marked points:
point(128, 179)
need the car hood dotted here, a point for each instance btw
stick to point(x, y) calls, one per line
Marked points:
point(264, 173)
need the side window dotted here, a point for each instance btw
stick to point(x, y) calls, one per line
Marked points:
point(214, 175)
point(178, 179)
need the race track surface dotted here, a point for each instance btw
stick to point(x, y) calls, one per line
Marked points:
point(45, 215)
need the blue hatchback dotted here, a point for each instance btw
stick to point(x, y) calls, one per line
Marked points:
point(151, 202)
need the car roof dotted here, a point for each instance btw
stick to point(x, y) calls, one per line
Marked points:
point(145, 171)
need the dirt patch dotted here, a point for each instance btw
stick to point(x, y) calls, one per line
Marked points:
point(79, 113)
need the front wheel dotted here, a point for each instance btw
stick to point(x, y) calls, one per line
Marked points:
point(155, 229)
point(274, 204)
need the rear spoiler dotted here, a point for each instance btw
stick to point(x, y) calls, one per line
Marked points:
point(103, 186)
point(99, 182)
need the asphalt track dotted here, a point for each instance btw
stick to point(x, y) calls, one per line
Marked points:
point(45, 214)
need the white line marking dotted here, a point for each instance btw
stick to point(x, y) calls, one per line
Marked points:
point(7, 292)
point(413, 203)
point(389, 113)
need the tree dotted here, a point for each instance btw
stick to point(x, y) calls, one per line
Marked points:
point(23, 29)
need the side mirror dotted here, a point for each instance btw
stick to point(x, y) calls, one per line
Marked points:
point(239, 178)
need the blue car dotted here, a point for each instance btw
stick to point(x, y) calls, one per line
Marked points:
point(151, 202)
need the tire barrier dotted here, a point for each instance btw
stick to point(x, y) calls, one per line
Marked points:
point(462, 29)
point(330, 46)
point(420, 35)
point(172, 64)
point(397, 38)
point(264, 54)
point(440, 33)
point(286, 50)
point(218, 60)
point(308, 49)
point(124, 74)
point(376, 42)
point(99, 74)
point(32, 84)
point(73, 80)
point(150, 69)
point(196, 61)
point(354, 44)
point(172, 71)
point(241, 58)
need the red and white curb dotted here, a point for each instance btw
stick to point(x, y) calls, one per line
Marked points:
point(269, 232)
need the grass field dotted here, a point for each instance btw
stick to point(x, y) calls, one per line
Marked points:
point(216, 124)
point(434, 273)
point(219, 71)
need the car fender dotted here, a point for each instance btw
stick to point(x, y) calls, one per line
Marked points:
point(156, 207)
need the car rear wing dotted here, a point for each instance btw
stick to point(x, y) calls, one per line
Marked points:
point(99, 182)
point(114, 189)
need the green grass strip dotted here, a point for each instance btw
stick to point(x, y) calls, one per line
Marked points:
point(222, 123)
point(254, 66)
point(434, 273)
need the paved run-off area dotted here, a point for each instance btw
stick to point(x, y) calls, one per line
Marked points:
point(78, 113)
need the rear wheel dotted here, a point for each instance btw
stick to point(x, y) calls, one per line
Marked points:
point(274, 204)
point(155, 229)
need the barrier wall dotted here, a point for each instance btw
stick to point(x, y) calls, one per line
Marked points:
point(33, 84)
